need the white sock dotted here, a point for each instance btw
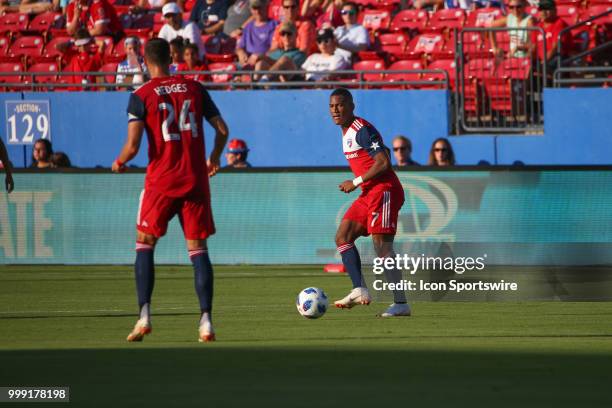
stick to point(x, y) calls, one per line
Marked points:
point(145, 313)
point(205, 319)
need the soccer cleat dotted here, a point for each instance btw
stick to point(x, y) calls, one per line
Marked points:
point(141, 329)
point(397, 309)
point(207, 333)
point(358, 296)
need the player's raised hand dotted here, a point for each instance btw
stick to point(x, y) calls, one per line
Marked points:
point(213, 166)
point(347, 186)
point(8, 182)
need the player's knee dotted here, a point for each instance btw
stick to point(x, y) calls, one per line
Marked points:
point(342, 237)
point(195, 244)
point(146, 238)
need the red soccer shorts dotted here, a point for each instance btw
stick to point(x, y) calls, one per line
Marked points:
point(377, 210)
point(156, 210)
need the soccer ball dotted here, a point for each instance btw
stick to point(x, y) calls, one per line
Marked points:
point(312, 303)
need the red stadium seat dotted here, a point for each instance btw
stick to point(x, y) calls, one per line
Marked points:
point(27, 46)
point(568, 13)
point(475, 44)
point(51, 47)
point(598, 9)
point(604, 2)
point(483, 17)
point(275, 9)
point(400, 66)
point(446, 19)
point(110, 68)
point(447, 65)
point(7, 68)
point(393, 43)
point(224, 69)
point(50, 67)
point(42, 23)
point(424, 44)
point(506, 88)
point(375, 20)
point(4, 46)
point(14, 23)
point(220, 57)
point(371, 65)
point(410, 20)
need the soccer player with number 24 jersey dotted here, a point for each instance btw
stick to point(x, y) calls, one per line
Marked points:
point(171, 110)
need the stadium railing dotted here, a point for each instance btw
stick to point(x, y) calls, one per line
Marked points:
point(437, 79)
point(496, 93)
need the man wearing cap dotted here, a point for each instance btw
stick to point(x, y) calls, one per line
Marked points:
point(97, 16)
point(286, 58)
point(256, 36)
point(352, 37)
point(306, 34)
point(176, 27)
point(329, 59)
point(237, 152)
point(209, 15)
point(552, 26)
point(86, 58)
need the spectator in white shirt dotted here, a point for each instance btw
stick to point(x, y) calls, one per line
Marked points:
point(176, 27)
point(351, 37)
point(328, 59)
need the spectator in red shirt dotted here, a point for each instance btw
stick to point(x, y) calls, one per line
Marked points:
point(552, 26)
point(85, 56)
point(192, 63)
point(98, 16)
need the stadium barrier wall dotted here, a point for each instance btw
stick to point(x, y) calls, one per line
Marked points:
point(293, 128)
point(526, 217)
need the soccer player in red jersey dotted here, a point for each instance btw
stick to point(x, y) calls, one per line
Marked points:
point(171, 110)
point(375, 211)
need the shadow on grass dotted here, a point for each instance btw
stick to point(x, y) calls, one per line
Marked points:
point(215, 376)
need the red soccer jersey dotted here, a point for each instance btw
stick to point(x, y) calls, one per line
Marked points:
point(361, 142)
point(172, 109)
point(96, 11)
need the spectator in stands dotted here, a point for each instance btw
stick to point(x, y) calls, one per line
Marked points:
point(210, 15)
point(192, 62)
point(441, 153)
point(467, 5)
point(133, 69)
point(177, 49)
point(86, 58)
point(428, 4)
point(175, 27)
point(60, 160)
point(6, 164)
point(238, 15)
point(326, 13)
point(552, 26)
point(286, 58)
point(29, 6)
point(41, 154)
point(257, 35)
point(306, 33)
point(329, 59)
point(402, 151)
point(518, 19)
point(155, 6)
point(236, 155)
point(98, 16)
point(351, 37)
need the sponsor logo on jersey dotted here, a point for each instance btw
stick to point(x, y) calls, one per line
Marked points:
point(351, 156)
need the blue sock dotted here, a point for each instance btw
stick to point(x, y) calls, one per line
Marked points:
point(203, 278)
point(352, 263)
point(144, 271)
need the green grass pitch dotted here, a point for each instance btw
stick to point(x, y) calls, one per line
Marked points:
point(67, 326)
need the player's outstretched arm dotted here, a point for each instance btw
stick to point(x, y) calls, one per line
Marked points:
point(8, 168)
point(382, 163)
point(221, 135)
point(132, 144)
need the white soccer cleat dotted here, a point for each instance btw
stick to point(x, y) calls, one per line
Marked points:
point(141, 329)
point(397, 309)
point(358, 296)
point(207, 333)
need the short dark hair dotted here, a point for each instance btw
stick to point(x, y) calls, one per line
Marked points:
point(351, 5)
point(157, 52)
point(345, 93)
point(192, 47)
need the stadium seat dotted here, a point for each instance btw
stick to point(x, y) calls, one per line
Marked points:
point(13, 23)
point(405, 76)
point(7, 68)
point(410, 21)
point(275, 9)
point(568, 13)
point(4, 46)
point(226, 67)
point(220, 57)
point(375, 20)
point(110, 68)
point(371, 65)
point(445, 20)
point(189, 4)
point(447, 65)
point(50, 67)
point(51, 51)
point(506, 88)
point(27, 46)
point(393, 43)
point(42, 23)
point(424, 44)
point(475, 72)
point(483, 17)
point(475, 44)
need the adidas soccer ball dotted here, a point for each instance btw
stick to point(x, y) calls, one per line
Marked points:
point(312, 303)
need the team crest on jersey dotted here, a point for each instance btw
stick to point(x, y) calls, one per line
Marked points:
point(349, 143)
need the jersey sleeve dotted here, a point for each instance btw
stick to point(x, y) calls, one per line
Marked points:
point(136, 108)
point(210, 109)
point(369, 138)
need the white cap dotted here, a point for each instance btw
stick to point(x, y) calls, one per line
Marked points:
point(171, 8)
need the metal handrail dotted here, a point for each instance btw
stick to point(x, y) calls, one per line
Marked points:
point(558, 81)
point(361, 82)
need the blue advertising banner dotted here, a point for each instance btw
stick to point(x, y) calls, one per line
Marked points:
point(508, 217)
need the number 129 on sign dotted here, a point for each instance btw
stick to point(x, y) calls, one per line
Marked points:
point(27, 121)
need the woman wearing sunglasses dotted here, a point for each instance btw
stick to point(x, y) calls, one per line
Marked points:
point(441, 153)
point(517, 21)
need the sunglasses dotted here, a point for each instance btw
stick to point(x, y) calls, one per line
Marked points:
point(515, 7)
point(286, 34)
point(291, 6)
point(441, 149)
point(324, 40)
point(348, 12)
point(402, 148)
